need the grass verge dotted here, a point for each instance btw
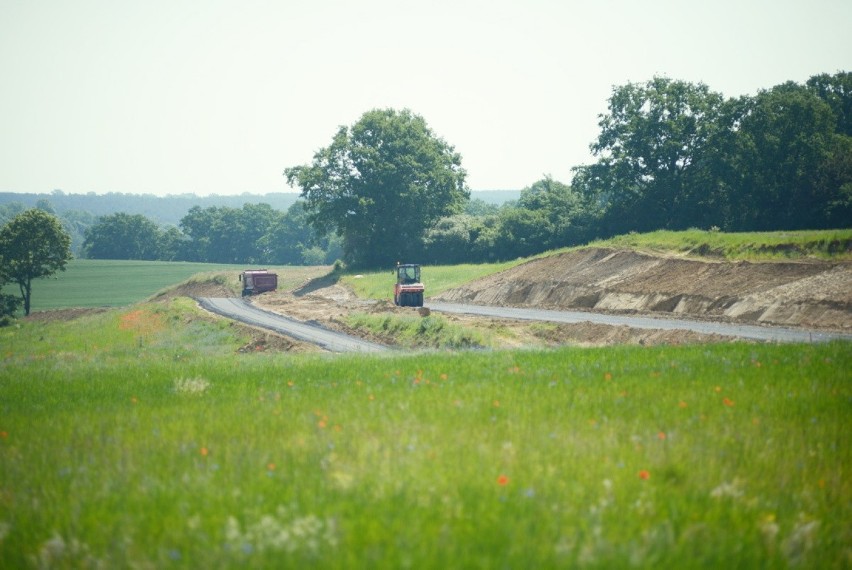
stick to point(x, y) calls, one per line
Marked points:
point(433, 331)
point(752, 246)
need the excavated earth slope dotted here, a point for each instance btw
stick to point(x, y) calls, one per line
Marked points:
point(810, 294)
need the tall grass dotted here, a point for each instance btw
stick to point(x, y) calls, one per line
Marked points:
point(118, 451)
point(408, 331)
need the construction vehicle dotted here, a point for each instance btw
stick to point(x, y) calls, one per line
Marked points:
point(258, 281)
point(408, 291)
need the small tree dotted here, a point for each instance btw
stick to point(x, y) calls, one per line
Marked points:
point(32, 245)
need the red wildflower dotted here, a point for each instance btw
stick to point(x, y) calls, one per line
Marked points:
point(644, 474)
point(502, 480)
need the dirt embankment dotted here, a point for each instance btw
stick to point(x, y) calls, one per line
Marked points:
point(810, 294)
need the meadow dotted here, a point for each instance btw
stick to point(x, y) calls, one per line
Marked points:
point(143, 436)
point(139, 437)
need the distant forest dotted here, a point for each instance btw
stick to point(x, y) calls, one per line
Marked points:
point(79, 212)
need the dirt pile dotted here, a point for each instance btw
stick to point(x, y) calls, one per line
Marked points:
point(807, 293)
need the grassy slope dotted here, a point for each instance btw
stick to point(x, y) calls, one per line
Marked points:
point(127, 441)
point(753, 246)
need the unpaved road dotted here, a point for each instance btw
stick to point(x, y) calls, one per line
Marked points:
point(595, 297)
point(240, 310)
point(752, 332)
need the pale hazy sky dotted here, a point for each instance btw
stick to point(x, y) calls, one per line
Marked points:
point(218, 97)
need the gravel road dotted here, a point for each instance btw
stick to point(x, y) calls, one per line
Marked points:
point(243, 311)
point(765, 333)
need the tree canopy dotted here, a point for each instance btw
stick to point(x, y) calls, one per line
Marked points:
point(32, 245)
point(123, 236)
point(674, 155)
point(381, 184)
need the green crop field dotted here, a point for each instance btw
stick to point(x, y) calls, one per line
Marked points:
point(112, 283)
point(140, 437)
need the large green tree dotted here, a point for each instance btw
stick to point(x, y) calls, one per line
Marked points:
point(123, 236)
point(784, 162)
point(381, 184)
point(32, 245)
point(649, 153)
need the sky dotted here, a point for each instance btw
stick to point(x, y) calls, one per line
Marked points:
point(219, 97)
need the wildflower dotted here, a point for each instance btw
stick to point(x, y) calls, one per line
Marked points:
point(733, 490)
point(204, 452)
point(502, 480)
point(607, 376)
point(681, 404)
point(661, 436)
point(443, 376)
point(496, 403)
point(372, 397)
point(728, 402)
point(134, 400)
point(270, 466)
point(644, 475)
point(4, 434)
point(290, 383)
point(321, 424)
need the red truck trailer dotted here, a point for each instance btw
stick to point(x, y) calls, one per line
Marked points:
point(258, 281)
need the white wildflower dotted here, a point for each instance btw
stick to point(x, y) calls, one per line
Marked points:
point(308, 533)
point(732, 490)
point(191, 386)
point(801, 540)
point(768, 529)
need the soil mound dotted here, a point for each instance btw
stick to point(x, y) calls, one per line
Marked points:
point(802, 293)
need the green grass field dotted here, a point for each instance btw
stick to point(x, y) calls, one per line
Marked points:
point(113, 283)
point(142, 437)
point(138, 437)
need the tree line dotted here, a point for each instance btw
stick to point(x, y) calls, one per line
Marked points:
point(670, 155)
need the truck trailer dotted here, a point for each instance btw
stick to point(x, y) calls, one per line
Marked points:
point(258, 281)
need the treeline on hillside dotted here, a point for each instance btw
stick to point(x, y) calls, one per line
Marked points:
point(253, 234)
point(164, 210)
point(674, 155)
point(79, 212)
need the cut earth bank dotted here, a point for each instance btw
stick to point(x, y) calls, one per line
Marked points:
point(810, 294)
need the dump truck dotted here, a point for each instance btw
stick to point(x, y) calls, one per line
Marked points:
point(258, 281)
point(408, 291)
